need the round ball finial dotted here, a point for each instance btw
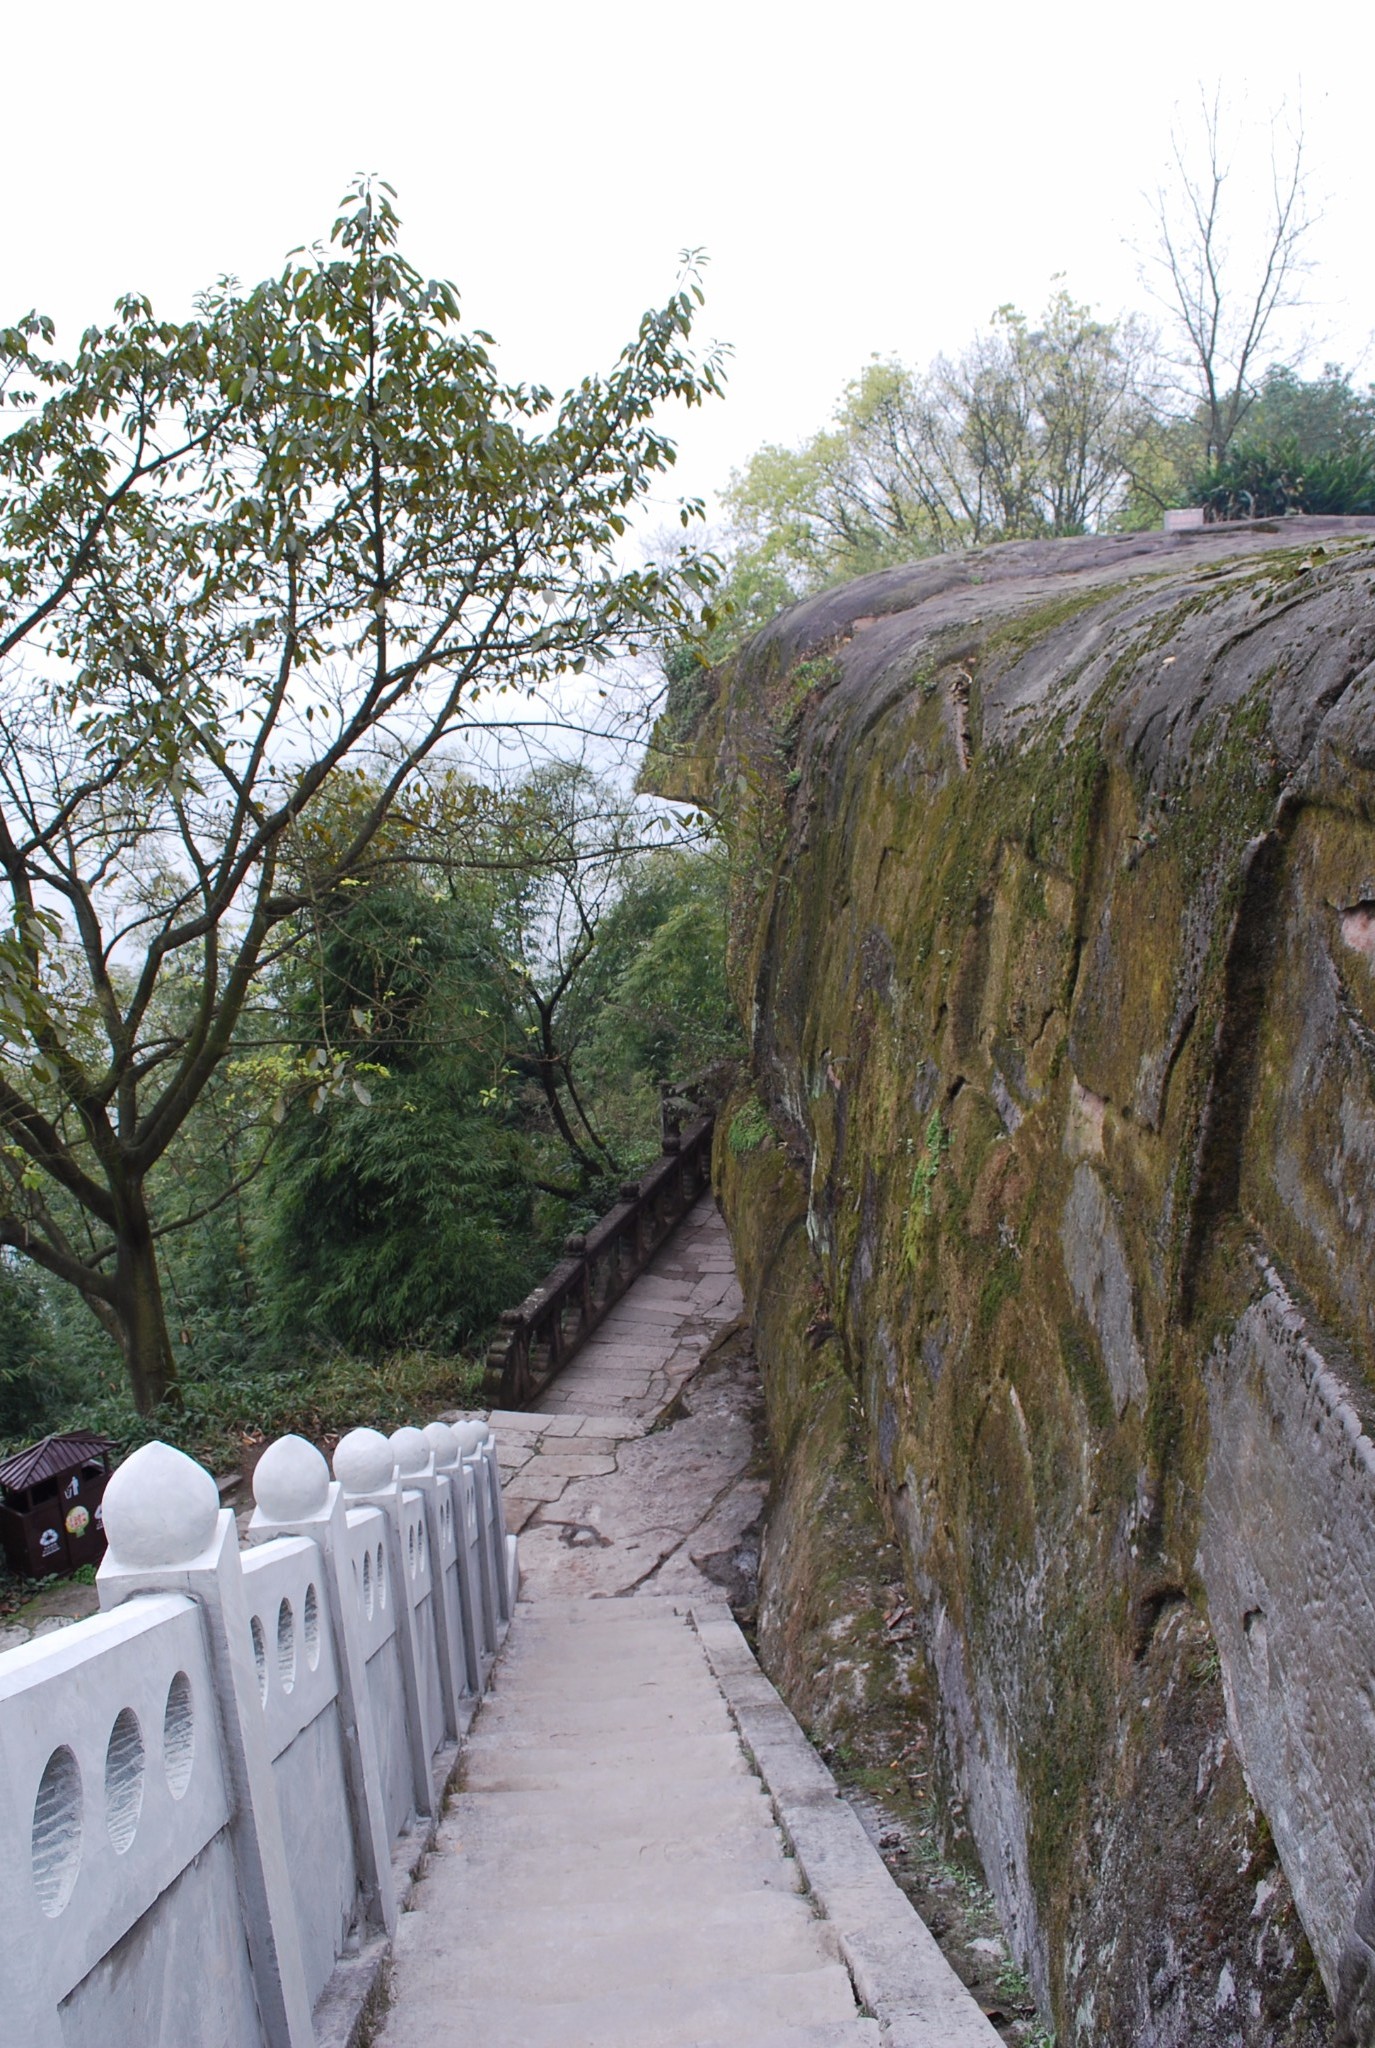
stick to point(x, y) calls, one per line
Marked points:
point(470, 1436)
point(443, 1442)
point(364, 1461)
point(292, 1480)
point(410, 1450)
point(484, 1430)
point(160, 1508)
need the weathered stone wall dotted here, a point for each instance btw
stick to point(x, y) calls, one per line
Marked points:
point(1055, 926)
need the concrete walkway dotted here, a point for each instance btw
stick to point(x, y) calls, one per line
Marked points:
point(646, 1852)
point(654, 1337)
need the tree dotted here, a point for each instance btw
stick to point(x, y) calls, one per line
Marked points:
point(1306, 446)
point(398, 1209)
point(569, 842)
point(1227, 307)
point(653, 1009)
point(249, 563)
point(1324, 417)
point(1034, 429)
point(33, 1375)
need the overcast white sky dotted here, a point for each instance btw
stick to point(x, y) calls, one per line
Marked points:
point(867, 178)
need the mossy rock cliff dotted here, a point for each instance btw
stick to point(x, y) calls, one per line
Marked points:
point(1054, 927)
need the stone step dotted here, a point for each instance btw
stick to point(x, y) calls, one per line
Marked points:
point(582, 1612)
point(735, 2012)
point(557, 1960)
point(597, 1617)
point(611, 1684)
point(831, 2034)
point(585, 1827)
point(646, 1806)
point(625, 1870)
point(642, 1788)
point(510, 1764)
point(661, 1623)
point(587, 1918)
point(594, 1671)
point(567, 1721)
point(650, 1643)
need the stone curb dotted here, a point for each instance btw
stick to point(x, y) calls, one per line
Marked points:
point(899, 1972)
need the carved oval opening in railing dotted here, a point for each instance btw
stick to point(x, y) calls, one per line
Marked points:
point(310, 1627)
point(124, 1774)
point(255, 1630)
point(57, 1831)
point(178, 1736)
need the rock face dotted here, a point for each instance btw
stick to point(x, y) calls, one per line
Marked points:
point(1055, 925)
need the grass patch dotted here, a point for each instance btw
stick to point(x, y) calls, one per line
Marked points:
point(749, 1128)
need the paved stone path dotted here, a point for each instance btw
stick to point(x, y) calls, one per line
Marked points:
point(646, 1852)
point(636, 1361)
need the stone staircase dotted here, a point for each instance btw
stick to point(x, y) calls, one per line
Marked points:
point(644, 1850)
point(614, 1864)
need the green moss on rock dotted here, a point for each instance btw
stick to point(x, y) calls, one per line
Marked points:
point(1056, 885)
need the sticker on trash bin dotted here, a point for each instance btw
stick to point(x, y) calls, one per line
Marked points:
point(48, 1542)
point(78, 1521)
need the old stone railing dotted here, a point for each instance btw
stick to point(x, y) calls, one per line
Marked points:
point(536, 1340)
point(220, 1786)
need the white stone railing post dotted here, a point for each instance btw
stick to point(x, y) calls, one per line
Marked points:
point(295, 1496)
point(365, 1466)
point(415, 1466)
point(503, 1546)
point(451, 1471)
point(167, 1533)
point(471, 1437)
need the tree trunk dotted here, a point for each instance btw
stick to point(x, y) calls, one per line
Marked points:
point(139, 1309)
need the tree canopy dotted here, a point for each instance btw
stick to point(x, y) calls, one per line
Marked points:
point(1035, 428)
point(254, 567)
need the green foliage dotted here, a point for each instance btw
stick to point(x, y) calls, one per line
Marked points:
point(400, 1207)
point(316, 1397)
point(749, 1128)
point(254, 567)
point(398, 1211)
point(1298, 445)
point(935, 1144)
point(34, 1381)
point(1263, 480)
point(1321, 417)
point(653, 1009)
point(1034, 429)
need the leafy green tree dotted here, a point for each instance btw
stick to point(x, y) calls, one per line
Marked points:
point(653, 1009)
point(396, 1209)
point(1323, 416)
point(1265, 479)
point(246, 562)
point(34, 1378)
point(1035, 429)
point(563, 840)
point(1307, 445)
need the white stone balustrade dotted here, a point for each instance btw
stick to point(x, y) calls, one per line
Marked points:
point(462, 1569)
point(480, 1529)
point(214, 1785)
